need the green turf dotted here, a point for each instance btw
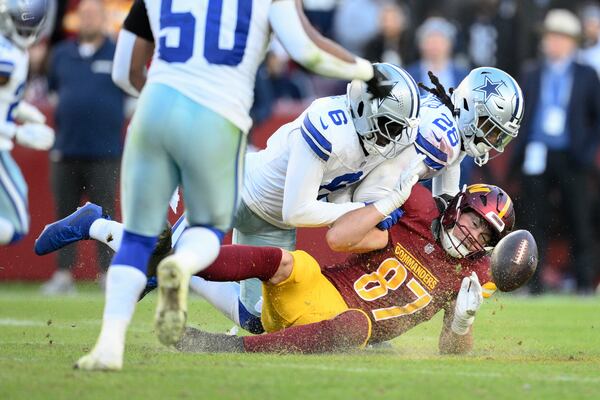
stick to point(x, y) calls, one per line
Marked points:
point(546, 348)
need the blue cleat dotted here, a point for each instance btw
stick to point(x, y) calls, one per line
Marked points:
point(70, 229)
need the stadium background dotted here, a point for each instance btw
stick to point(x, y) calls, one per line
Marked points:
point(522, 18)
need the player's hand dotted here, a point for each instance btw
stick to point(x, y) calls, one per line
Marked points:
point(390, 220)
point(470, 298)
point(400, 193)
point(35, 136)
point(25, 112)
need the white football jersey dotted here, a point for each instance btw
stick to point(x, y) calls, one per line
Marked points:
point(14, 64)
point(327, 129)
point(438, 137)
point(210, 51)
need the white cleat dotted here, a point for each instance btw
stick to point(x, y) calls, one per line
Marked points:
point(96, 361)
point(171, 310)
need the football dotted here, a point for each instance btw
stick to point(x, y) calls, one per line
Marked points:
point(514, 260)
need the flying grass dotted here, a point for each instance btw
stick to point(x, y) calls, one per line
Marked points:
point(546, 347)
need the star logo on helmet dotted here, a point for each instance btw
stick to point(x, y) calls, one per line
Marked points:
point(490, 88)
point(387, 89)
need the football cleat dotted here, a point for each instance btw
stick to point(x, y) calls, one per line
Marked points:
point(171, 309)
point(99, 362)
point(70, 229)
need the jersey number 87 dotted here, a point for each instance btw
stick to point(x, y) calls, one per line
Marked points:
point(390, 275)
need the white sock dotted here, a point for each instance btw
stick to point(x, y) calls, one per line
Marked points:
point(108, 232)
point(224, 296)
point(198, 247)
point(7, 231)
point(123, 287)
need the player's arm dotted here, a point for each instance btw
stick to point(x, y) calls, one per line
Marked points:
point(306, 166)
point(33, 133)
point(451, 342)
point(459, 315)
point(135, 46)
point(309, 48)
point(447, 184)
point(380, 182)
point(357, 230)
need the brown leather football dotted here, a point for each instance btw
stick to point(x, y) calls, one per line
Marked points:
point(514, 260)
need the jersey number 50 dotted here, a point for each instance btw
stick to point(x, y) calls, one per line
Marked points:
point(185, 22)
point(390, 275)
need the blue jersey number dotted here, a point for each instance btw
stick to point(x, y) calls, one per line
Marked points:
point(339, 183)
point(338, 117)
point(186, 23)
point(445, 124)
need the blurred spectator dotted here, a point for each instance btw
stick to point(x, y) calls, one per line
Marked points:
point(89, 119)
point(355, 23)
point(590, 53)
point(435, 38)
point(393, 43)
point(488, 33)
point(557, 143)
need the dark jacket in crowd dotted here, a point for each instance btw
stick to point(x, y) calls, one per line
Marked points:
point(583, 114)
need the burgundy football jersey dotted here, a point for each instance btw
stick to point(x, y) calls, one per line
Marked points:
point(408, 281)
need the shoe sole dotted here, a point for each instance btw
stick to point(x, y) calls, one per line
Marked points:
point(171, 310)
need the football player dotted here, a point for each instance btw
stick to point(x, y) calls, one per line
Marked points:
point(487, 119)
point(427, 262)
point(327, 148)
point(481, 116)
point(20, 25)
point(189, 129)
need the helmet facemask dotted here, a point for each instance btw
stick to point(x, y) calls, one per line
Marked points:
point(486, 204)
point(385, 125)
point(485, 134)
point(388, 135)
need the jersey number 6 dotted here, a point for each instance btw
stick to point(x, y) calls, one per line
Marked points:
point(390, 275)
point(185, 22)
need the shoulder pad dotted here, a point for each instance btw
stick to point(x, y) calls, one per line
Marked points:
point(323, 120)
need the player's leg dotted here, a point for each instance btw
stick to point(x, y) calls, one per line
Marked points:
point(14, 214)
point(252, 230)
point(148, 179)
point(209, 151)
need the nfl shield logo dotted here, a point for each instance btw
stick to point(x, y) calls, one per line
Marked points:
point(429, 248)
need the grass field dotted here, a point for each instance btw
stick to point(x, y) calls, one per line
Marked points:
point(546, 348)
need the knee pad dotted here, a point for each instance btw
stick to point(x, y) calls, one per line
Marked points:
point(135, 251)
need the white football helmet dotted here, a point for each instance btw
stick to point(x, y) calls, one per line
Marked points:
point(22, 21)
point(489, 107)
point(386, 124)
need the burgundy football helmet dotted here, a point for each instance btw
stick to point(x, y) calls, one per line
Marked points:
point(492, 204)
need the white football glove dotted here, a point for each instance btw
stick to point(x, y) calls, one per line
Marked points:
point(468, 302)
point(25, 112)
point(397, 197)
point(35, 136)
